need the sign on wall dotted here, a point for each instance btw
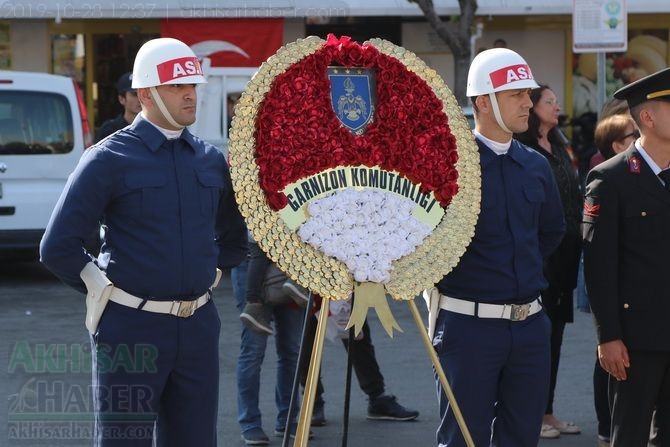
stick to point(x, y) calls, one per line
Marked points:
point(647, 52)
point(599, 26)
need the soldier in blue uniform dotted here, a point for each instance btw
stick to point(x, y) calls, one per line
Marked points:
point(166, 198)
point(626, 246)
point(491, 332)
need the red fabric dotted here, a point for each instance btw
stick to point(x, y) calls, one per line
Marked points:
point(258, 38)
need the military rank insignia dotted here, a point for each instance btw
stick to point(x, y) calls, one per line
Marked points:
point(634, 165)
point(591, 210)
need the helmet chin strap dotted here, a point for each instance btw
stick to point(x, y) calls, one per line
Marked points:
point(496, 112)
point(161, 106)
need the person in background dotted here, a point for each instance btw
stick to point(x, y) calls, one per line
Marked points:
point(560, 268)
point(500, 43)
point(491, 332)
point(614, 106)
point(626, 218)
point(614, 134)
point(167, 201)
point(381, 405)
point(264, 292)
point(287, 321)
point(127, 96)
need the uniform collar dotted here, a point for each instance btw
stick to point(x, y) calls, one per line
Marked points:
point(517, 153)
point(154, 138)
point(650, 161)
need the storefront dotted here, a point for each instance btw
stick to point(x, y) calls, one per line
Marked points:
point(96, 54)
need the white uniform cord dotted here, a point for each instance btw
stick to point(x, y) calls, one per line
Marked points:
point(496, 112)
point(161, 106)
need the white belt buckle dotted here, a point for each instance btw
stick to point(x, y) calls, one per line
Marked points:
point(519, 312)
point(184, 309)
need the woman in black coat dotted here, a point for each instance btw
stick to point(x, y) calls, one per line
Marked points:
point(561, 267)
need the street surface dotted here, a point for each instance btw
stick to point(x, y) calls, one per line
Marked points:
point(42, 320)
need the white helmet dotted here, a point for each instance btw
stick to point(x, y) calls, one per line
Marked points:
point(166, 61)
point(496, 70)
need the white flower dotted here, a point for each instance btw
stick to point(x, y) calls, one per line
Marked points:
point(367, 230)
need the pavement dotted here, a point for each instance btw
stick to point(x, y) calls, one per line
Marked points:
point(40, 314)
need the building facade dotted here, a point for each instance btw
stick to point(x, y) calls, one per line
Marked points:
point(95, 43)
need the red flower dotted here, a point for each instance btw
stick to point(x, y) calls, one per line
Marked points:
point(298, 133)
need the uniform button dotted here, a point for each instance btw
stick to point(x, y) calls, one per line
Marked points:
point(643, 213)
point(626, 306)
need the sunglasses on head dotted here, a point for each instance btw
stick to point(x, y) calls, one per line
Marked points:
point(635, 134)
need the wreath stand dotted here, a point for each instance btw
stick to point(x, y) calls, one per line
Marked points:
point(307, 406)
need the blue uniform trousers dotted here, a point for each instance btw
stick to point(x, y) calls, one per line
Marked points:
point(499, 373)
point(156, 371)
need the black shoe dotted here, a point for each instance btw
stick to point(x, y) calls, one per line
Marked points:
point(387, 408)
point(318, 416)
point(255, 436)
point(258, 318)
point(279, 432)
point(297, 293)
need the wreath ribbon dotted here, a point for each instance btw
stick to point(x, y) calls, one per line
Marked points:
point(367, 295)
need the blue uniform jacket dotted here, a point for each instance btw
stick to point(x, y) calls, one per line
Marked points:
point(520, 223)
point(169, 209)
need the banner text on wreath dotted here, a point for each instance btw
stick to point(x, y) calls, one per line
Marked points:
point(319, 185)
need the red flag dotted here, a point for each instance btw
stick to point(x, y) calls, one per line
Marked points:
point(228, 42)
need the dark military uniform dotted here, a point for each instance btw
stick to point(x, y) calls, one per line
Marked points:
point(626, 243)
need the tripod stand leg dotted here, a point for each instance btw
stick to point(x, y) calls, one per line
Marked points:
point(305, 419)
point(296, 377)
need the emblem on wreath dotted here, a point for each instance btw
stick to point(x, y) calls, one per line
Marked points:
point(353, 96)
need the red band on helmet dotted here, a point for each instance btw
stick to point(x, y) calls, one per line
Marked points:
point(513, 73)
point(178, 68)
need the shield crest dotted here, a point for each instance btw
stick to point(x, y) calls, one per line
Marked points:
point(353, 96)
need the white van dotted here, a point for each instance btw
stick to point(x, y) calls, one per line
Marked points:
point(43, 132)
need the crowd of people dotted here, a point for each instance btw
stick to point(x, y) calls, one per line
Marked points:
point(171, 222)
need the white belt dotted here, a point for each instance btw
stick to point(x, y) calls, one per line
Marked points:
point(182, 309)
point(514, 312)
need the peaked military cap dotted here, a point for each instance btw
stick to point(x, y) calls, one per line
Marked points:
point(655, 86)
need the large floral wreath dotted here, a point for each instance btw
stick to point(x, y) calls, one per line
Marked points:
point(285, 130)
